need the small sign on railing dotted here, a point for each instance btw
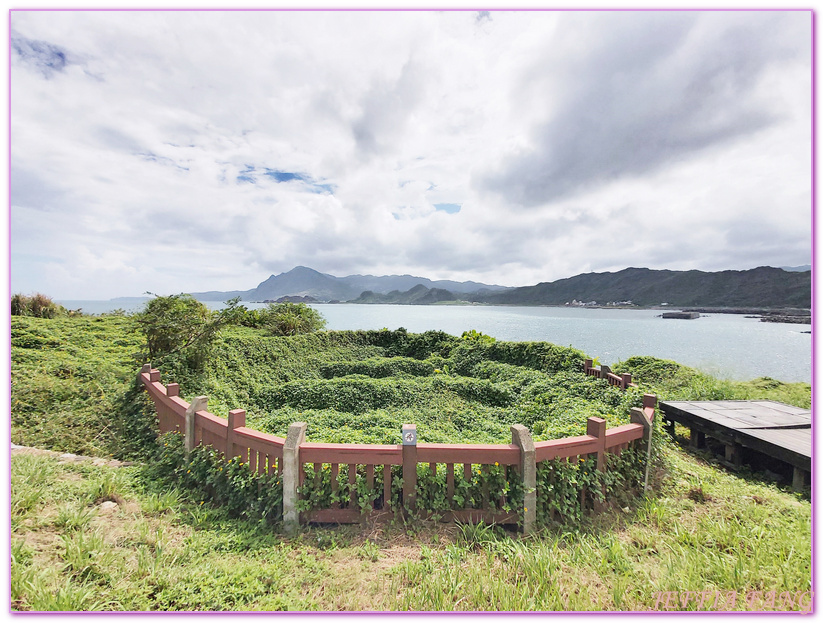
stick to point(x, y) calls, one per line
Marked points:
point(409, 435)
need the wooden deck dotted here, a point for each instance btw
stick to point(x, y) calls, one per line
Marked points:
point(774, 429)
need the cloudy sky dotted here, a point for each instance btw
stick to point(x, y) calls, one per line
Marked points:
point(185, 151)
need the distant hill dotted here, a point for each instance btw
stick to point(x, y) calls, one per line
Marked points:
point(418, 295)
point(302, 281)
point(758, 287)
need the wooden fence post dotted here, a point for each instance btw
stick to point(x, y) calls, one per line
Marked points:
point(638, 416)
point(410, 466)
point(237, 419)
point(521, 437)
point(596, 427)
point(291, 476)
point(627, 380)
point(198, 404)
point(172, 389)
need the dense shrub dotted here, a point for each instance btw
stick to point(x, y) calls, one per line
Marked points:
point(178, 323)
point(37, 306)
point(206, 473)
point(540, 356)
point(378, 367)
point(290, 319)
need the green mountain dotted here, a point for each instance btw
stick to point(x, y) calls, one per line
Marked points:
point(758, 287)
point(418, 295)
point(303, 281)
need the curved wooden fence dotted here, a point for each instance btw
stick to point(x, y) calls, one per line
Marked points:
point(290, 456)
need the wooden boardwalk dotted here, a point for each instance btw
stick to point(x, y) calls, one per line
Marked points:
point(774, 429)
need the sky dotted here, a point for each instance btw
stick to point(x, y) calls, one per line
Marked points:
point(170, 151)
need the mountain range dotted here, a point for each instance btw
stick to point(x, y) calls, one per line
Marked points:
point(303, 281)
point(758, 287)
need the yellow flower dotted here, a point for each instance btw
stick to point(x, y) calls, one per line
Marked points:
point(496, 464)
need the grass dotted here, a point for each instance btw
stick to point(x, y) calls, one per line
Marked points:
point(162, 550)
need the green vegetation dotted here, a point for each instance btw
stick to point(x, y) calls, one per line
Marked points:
point(71, 380)
point(197, 533)
point(760, 287)
point(177, 323)
point(285, 318)
point(37, 305)
point(164, 548)
point(672, 381)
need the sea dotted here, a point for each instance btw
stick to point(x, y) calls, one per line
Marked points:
point(727, 346)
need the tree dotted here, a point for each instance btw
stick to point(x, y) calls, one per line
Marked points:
point(179, 321)
point(292, 318)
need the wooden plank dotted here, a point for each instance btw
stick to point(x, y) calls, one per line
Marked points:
point(564, 448)
point(784, 408)
point(620, 435)
point(476, 453)
point(793, 449)
point(780, 433)
point(345, 516)
point(387, 486)
point(212, 423)
point(370, 477)
point(262, 442)
point(333, 515)
point(345, 453)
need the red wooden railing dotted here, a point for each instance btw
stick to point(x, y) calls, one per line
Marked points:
point(265, 453)
point(623, 381)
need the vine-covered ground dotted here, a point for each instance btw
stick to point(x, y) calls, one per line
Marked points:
point(362, 386)
point(170, 544)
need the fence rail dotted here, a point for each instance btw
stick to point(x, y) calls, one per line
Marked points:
point(622, 381)
point(290, 456)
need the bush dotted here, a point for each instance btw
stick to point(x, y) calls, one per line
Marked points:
point(291, 319)
point(37, 306)
point(378, 367)
point(177, 322)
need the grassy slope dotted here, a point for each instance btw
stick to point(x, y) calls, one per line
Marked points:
point(706, 530)
point(161, 550)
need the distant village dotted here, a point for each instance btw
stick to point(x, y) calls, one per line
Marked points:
point(576, 303)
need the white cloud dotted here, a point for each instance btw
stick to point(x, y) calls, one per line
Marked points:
point(172, 151)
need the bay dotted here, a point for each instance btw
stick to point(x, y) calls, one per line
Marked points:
point(728, 346)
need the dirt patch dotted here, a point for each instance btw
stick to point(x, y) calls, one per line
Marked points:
point(68, 457)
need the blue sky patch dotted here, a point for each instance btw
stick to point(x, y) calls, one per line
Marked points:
point(448, 208)
point(46, 57)
point(285, 176)
point(249, 176)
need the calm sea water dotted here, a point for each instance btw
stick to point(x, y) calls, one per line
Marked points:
point(729, 346)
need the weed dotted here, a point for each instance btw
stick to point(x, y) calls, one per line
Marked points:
point(71, 517)
point(86, 555)
point(369, 551)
